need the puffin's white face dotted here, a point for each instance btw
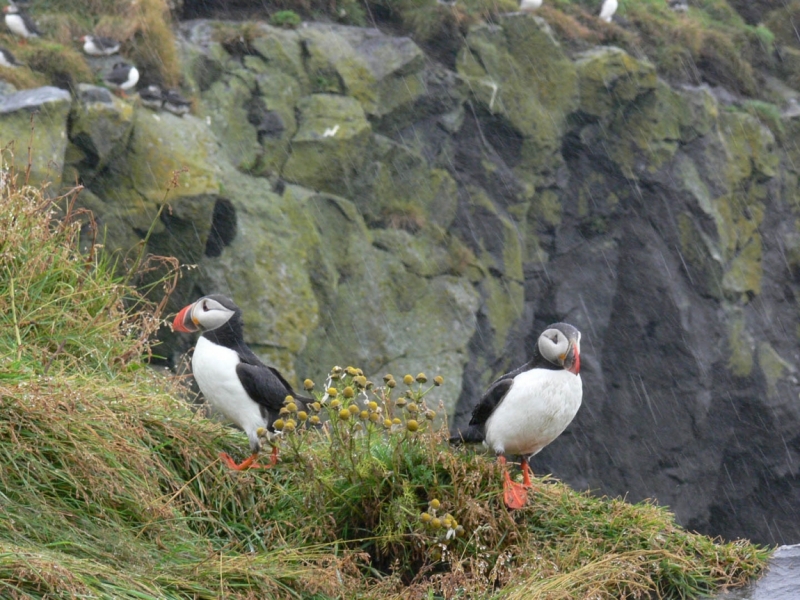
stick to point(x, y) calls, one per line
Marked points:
point(209, 314)
point(206, 314)
point(557, 348)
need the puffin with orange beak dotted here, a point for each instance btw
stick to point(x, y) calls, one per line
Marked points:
point(232, 378)
point(526, 409)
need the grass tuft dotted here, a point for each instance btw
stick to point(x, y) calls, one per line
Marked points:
point(112, 488)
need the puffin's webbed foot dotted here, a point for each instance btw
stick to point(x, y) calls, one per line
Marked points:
point(526, 473)
point(250, 461)
point(515, 494)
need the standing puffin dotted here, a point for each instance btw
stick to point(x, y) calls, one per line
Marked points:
point(526, 409)
point(122, 77)
point(608, 9)
point(20, 23)
point(232, 378)
point(97, 45)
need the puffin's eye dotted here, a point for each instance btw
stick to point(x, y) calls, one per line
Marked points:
point(205, 306)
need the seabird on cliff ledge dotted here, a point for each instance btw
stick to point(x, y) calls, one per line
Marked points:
point(175, 103)
point(122, 77)
point(529, 5)
point(608, 10)
point(526, 409)
point(20, 23)
point(151, 97)
point(232, 378)
point(96, 45)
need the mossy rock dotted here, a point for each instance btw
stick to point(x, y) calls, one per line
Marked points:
point(100, 125)
point(504, 303)
point(37, 119)
point(774, 367)
point(397, 188)
point(519, 75)
point(610, 77)
point(226, 105)
point(265, 268)
point(283, 52)
point(384, 301)
point(701, 255)
point(202, 66)
point(272, 113)
point(741, 345)
point(334, 67)
point(750, 146)
point(396, 65)
point(331, 143)
point(170, 160)
point(425, 254)
point(163, 144)
point(645, 134)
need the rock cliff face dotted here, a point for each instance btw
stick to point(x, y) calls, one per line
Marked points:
point(366, 205)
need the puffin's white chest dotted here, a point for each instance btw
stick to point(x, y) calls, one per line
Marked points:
point(17, 25)
point(608, 9)
point(537, 408)
point(214, 368)
point(133, 78)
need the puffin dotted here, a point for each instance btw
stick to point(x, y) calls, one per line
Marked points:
point(152, 97)
point(175, 103)
point(20, 23)
point(608, 9)
point(232, 378)
point(122, 77)
point(679, 5)
point(529, 5)
point(7, 59)
point(526, 409)
point(96, 45)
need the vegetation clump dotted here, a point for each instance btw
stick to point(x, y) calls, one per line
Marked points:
point(288, 19)
point(112, 488)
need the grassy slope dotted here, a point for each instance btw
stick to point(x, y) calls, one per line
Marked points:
point(110, 484)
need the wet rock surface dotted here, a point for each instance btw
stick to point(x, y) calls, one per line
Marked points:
point(367, 205)
point(780, 582)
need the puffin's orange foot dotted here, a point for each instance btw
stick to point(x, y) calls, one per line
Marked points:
point(273, 458)
point(526, 473)
point(515, 494)
point(247, 463)
point(250, 461)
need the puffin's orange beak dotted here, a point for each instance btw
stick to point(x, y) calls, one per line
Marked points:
point(573, 362)
point(183, 321)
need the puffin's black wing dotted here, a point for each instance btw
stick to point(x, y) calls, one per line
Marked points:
point(490, 400)
point(30, 24)
point(474, 434)
point(119, 74)
point(105, 43)
point(264, 385)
